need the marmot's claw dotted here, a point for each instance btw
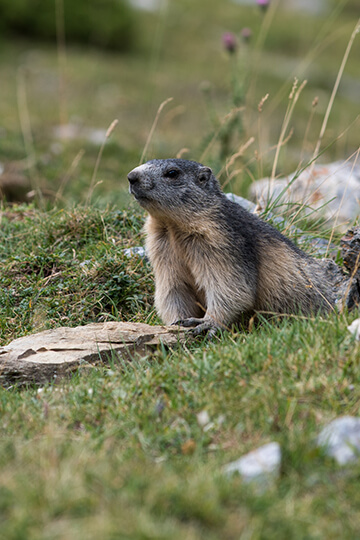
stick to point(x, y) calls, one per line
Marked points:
point(206, 327)
point(200, 326)
point(187, 323)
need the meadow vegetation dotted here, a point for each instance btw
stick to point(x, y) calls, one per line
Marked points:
point(118, 450)
point(177, 54)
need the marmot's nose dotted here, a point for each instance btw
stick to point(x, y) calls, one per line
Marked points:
point(133, 177)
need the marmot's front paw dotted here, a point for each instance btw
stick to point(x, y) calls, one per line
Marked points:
point(191, 321)
point(202, 326)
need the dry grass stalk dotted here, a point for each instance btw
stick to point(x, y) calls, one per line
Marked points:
point(153, 127)
point(61, 49)
point(109, 131)
point(25, 124)
point(233, 158)
point(69, 174)
point(333, 94)
point(293, 98)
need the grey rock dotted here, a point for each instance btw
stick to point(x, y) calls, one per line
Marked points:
point(259, 465)
point(341, 439)
point(332, 190)
point(56, 353)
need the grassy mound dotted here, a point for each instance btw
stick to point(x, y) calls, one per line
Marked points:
point(67, 268)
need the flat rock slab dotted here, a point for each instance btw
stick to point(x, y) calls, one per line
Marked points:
point(41, 357)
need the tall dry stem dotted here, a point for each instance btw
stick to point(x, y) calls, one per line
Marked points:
point(260, 108)
point(69, 174)
point(61, 51)
point(333, 94)
point(307, 130)
point(110, 129)
point(153, 127)
point(256, 57)
point(293, 98)
point(25, 124)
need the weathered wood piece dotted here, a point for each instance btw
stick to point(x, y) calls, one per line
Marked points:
point(56, 353)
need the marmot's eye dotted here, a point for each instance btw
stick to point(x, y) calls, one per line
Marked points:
point(173, 173)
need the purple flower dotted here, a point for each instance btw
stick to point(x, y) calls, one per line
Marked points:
point(230, 42)
point(246, 34)
point(263, 4)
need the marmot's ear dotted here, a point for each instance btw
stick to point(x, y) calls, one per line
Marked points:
point(204, 174)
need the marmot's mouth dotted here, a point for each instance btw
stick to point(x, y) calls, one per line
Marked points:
point(139, 196)
point(142, 199)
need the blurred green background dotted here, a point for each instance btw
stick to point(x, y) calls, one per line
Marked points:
point(68, 69)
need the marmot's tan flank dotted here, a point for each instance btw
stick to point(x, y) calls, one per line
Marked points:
point(213, 261)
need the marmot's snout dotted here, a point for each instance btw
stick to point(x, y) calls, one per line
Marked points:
point(141, 181)
point(133, 177)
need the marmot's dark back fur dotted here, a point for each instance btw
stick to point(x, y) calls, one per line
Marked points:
point(212, 259)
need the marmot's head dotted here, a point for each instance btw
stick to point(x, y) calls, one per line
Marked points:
point(166, 185)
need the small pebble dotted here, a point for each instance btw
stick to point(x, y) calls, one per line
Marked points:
point(131, 252)
point(259, 465)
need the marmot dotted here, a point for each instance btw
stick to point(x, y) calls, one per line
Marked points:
point(213, 260)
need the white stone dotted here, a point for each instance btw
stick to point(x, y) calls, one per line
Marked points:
point(135, 251)
point(354, 328)
point(341, 439)
point(203, 418)
point(260, 464)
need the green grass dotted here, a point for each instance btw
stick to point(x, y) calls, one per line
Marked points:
point(118, 452)
point(68, 268)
